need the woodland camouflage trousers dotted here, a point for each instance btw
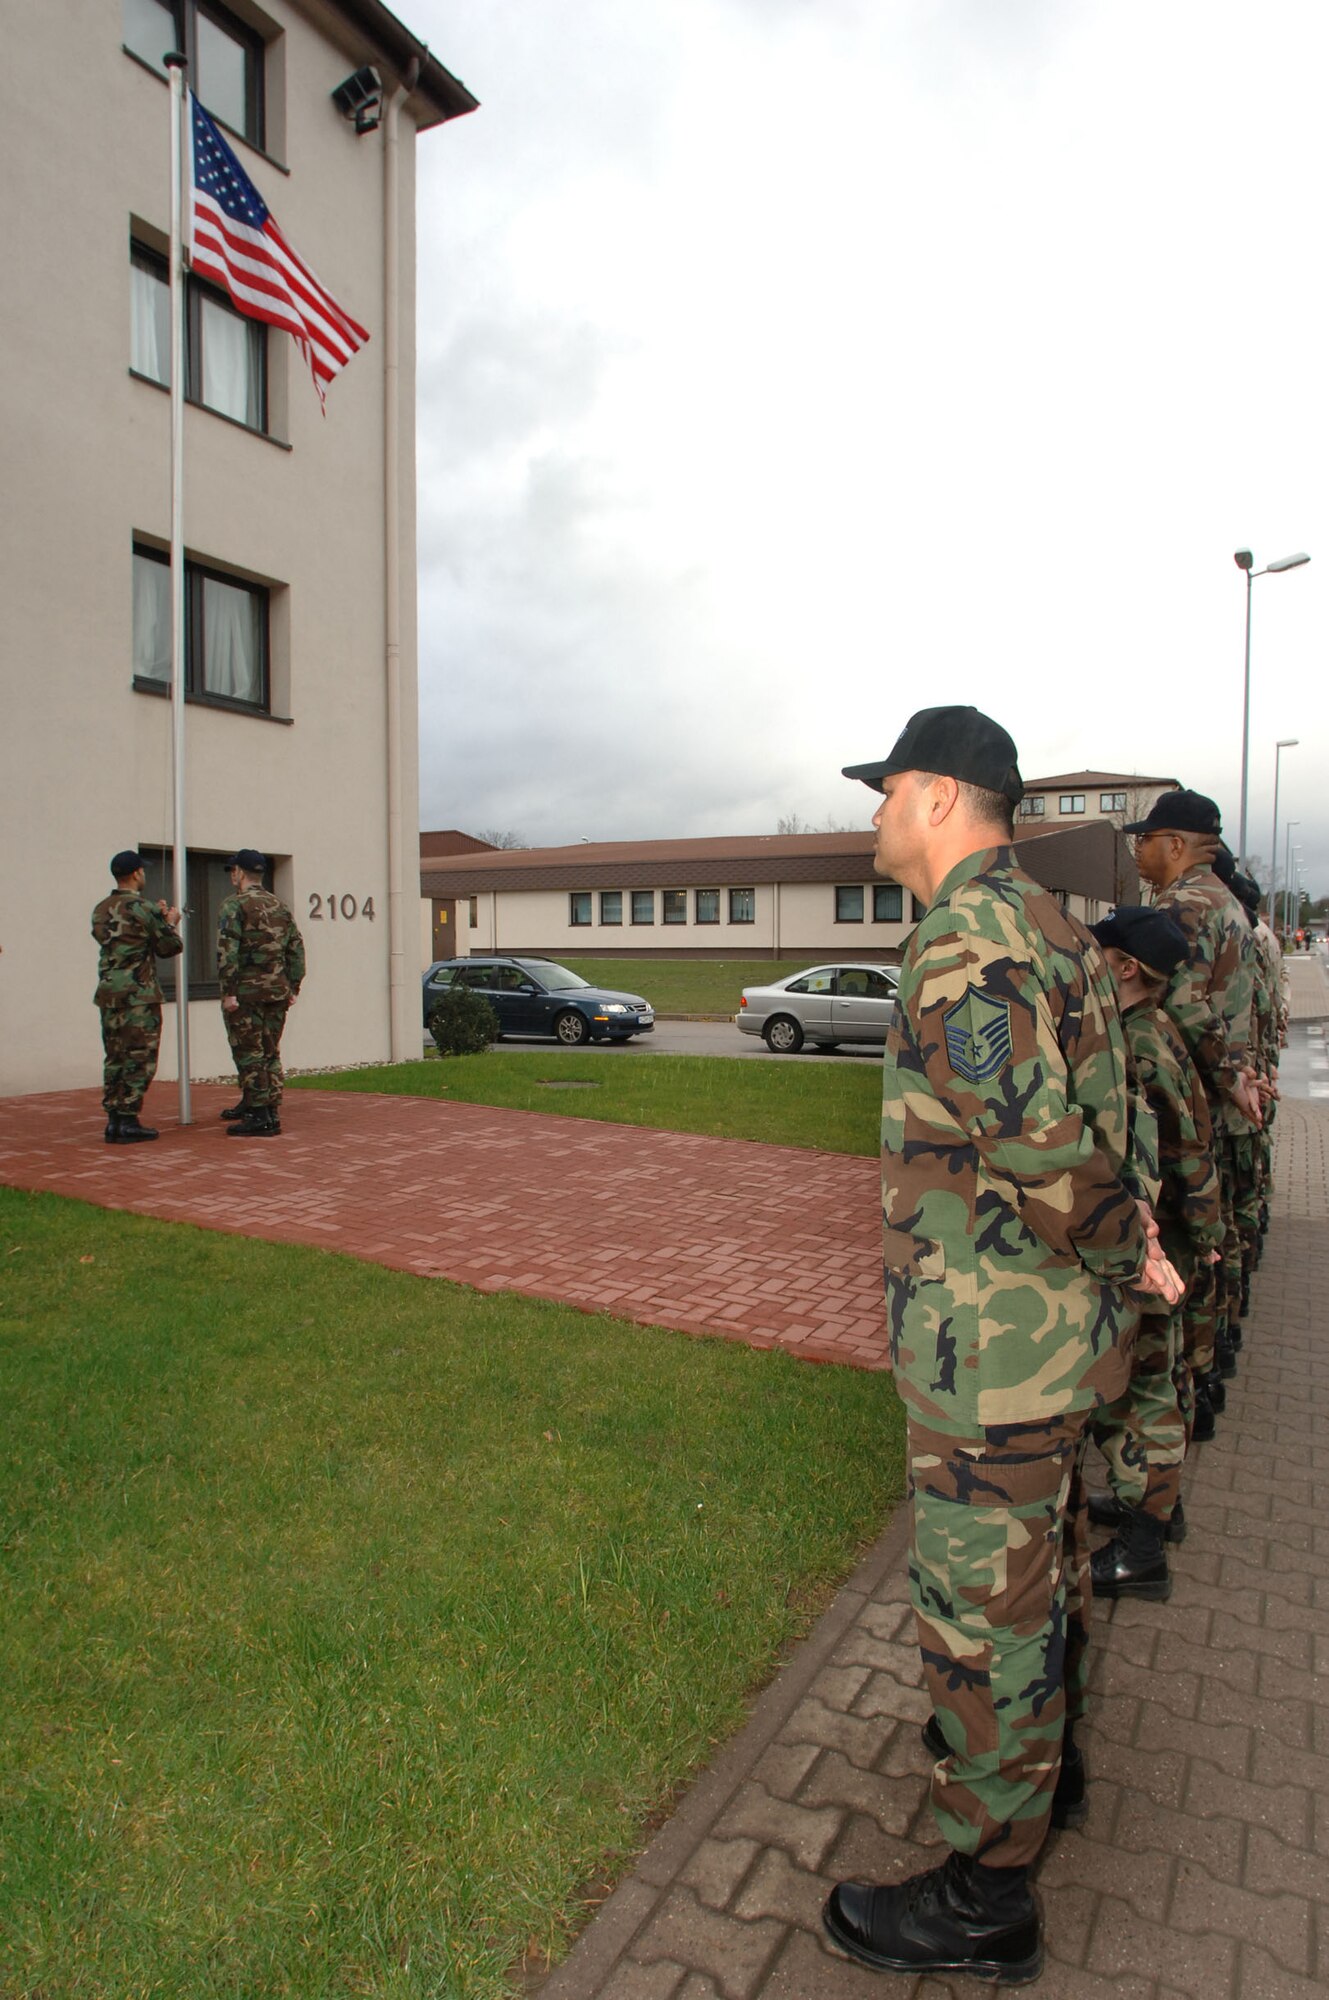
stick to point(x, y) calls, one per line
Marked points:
point(131, 1032)
point(999, 1576)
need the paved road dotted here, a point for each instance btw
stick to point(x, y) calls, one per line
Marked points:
point(698, 1038)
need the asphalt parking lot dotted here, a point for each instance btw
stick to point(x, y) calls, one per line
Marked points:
point(697, 1038)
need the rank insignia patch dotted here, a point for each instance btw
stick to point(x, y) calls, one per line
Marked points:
point(978, 1036)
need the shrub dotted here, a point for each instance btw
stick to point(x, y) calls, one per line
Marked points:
point(463, 1023)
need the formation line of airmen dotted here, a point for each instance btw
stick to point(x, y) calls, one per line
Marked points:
point(260, 968)
point(1075, 1182)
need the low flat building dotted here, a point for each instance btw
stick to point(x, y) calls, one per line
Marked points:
point(746, 896)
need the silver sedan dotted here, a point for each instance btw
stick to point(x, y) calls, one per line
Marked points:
point(825, 1005)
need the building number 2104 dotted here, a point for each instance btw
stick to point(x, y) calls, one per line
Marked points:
point(335, 906)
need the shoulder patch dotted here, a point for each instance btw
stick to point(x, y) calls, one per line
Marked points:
point(978, 1035)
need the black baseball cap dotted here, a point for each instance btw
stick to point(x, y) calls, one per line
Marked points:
point(1246, 890)
point(1160, 944)
point(955, 742)
point(127, 862)
point(249, 859)
point(1179, 812)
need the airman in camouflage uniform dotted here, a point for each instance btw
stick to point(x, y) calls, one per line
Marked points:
point(1209, 1002)
point(1143, 1434)
point(1012, 1250)
point(261, 967)
point(133, 934)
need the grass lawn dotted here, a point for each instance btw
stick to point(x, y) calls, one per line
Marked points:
point(833, 1107)
point(354, 1622)
point(687, 986)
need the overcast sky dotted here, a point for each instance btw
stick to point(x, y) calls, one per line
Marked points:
point(788, 365)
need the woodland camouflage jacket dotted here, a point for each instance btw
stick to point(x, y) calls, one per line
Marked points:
point(260, 953)
point(133, 935)
point(1010, 1238)
point(1188, 1209)
point(1209, 997)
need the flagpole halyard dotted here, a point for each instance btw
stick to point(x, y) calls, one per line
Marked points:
point(180, 896)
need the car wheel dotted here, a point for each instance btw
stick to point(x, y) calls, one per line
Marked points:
point(782, 1035)
point(572, 1028)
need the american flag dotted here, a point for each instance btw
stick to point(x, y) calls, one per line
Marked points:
point(234, 241)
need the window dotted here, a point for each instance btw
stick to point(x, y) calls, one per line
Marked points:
point(579, 908)
point(1071, 802)
point(226, 632)
point(1112, 802)
point(820, 981)
point(611, 906)
point(920, 909)
point(888, 903)
point(707, 906)
point(473, 912)
point(863, 982)
point(643, 906)
point(675, 906)
point(207, 886)
point(226, 355)
point(849, 905)
point(742, 906)
point(1033, 808)
point(225, 56)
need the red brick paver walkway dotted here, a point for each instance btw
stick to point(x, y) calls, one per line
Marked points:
point(767, 1244)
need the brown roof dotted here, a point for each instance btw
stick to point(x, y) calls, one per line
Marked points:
point(443, 95)
point(1119, 781)
point(451, 840)
point(1076, 858)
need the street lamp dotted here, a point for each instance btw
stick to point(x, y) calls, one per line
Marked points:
point(1245, 561)
point(1287, 878)
point(1283, 743)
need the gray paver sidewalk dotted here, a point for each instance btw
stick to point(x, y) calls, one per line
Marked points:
point(1204, 1866)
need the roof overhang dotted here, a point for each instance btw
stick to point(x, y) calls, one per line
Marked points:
point(436, 94)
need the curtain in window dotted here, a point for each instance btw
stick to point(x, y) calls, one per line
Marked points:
point(232, 652)
point(230, 379)
point(152, 619)
point(150, 324)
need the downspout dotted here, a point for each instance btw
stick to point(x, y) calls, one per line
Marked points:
point(397, 1010)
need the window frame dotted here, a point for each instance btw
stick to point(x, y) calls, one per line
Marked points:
point(143, 257)
point(1070, 805)
point(605, 918)
point(195, 575)
point(1111, 802)
point(635, 895)
point(697, 916)
point(579, 899)
point(735, 916)
point(184, 16)
point(918, 909)
point(673, 906)
point(1034, 808)
point(845, 890)
point(880, 891)
point(200, 931)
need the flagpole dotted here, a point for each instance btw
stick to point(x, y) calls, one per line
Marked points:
point(180, 896)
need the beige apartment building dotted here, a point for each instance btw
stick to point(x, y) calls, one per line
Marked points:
point(299, 529)
point(1077, 797)
point(800, 895)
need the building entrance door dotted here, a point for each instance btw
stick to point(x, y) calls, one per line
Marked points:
point(444, 931)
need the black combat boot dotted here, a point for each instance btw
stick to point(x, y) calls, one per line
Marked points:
point(1176, 1527)
point(1134, 1562)
point(1205, 1425)
point(1235, 1336)
point(233, 1112)
point(1225, 1359)
point(260, 1123)
point(1216, 1390)
point(125, 1130)
point(1070, 1803)
point(1247, 1263)
point(1105, 1510)
point(960, 1918)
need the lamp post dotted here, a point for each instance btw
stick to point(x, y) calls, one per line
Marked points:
point(1287, 879)
point(1283, 743)
point(1245, 561)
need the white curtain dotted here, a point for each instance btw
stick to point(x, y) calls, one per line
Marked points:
point(150, 324)
point(232, 656)
point(230, 379)
point(152, 619)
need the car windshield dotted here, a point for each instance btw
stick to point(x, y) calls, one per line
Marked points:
point(555, 978)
